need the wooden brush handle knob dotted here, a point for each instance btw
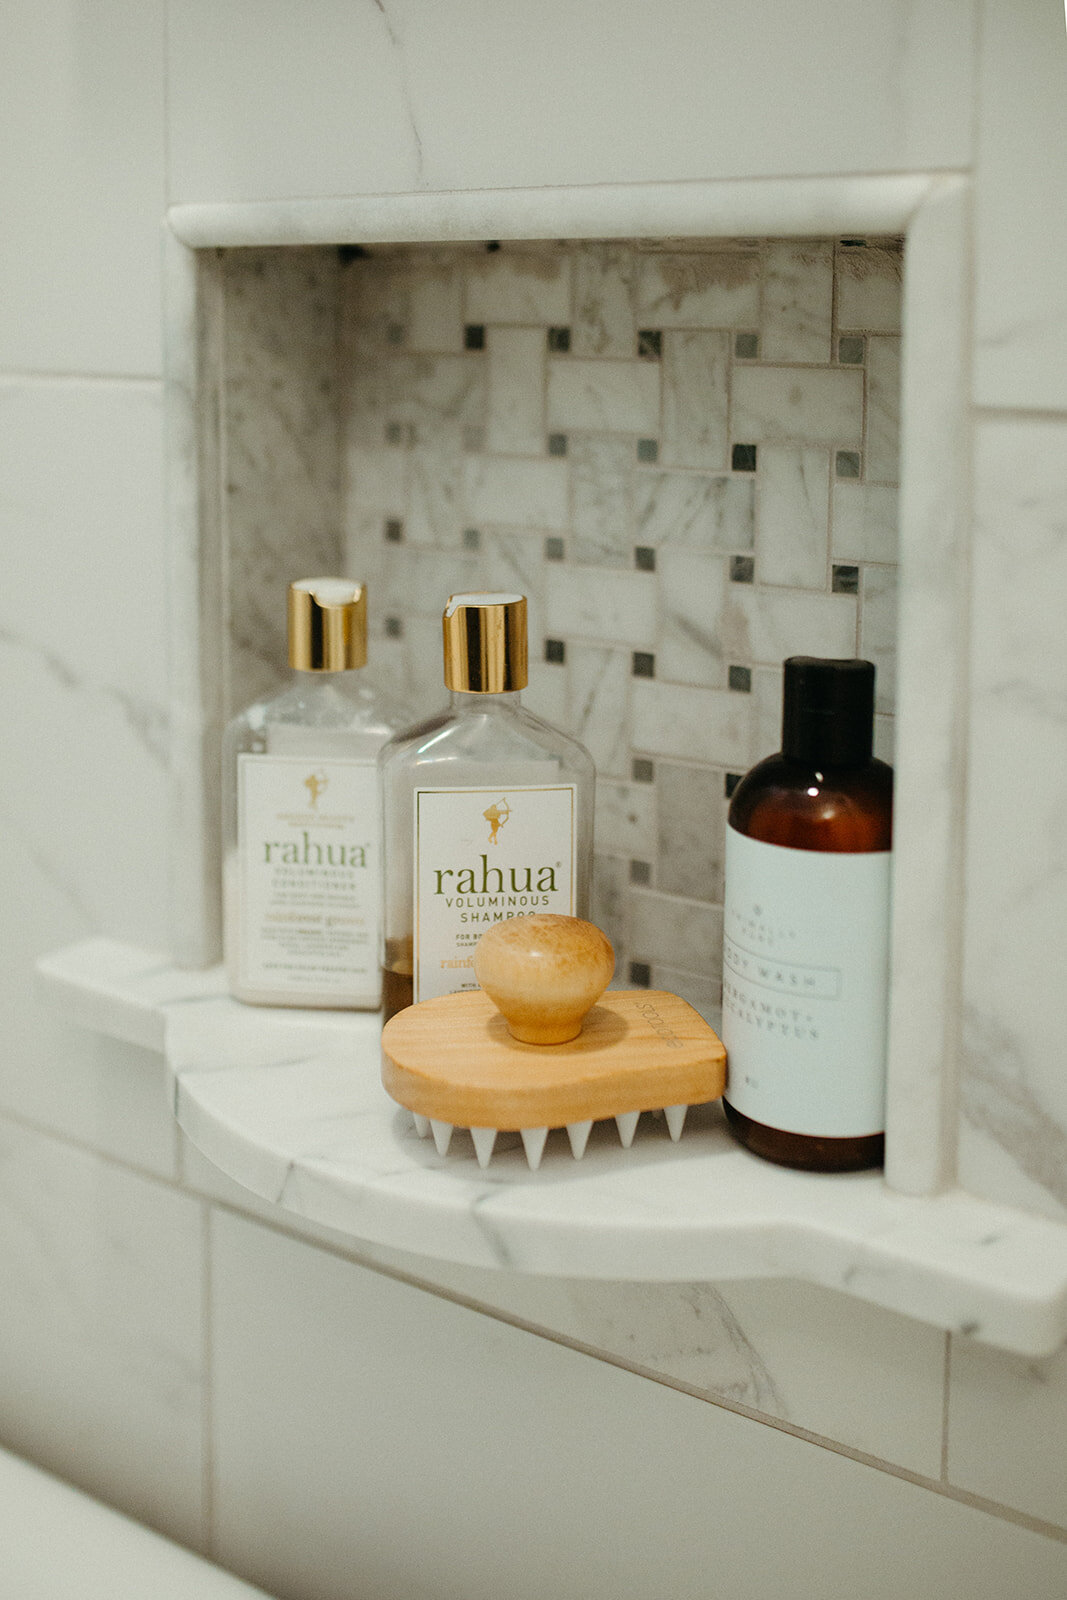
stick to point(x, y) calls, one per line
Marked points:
point(544, 973)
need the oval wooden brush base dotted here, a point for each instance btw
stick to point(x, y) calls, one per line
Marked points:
point(453, 1062)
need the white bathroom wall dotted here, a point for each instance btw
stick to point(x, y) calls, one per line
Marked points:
point(319, 1426)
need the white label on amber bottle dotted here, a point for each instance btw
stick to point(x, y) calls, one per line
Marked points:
point(482, 856)
point(309, 876)
point(805, 986)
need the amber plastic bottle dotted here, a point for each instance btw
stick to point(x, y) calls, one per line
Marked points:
point(806, 930)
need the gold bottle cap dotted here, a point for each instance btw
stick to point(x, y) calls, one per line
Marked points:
point(327, 624)
point(485, 643)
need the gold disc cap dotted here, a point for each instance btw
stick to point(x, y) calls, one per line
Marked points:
point(485, 642)
point(327, 624)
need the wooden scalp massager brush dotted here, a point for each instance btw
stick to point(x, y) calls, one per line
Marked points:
point(532, 1050)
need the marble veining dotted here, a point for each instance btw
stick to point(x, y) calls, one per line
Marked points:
point(290, 1104)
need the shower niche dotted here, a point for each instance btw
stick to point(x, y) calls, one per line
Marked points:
point(683, 452)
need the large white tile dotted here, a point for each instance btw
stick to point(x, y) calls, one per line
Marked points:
point(82, 186)
point(1014, 1098)
point(84, 793)
point(865, 1378)
point(454, 97)
point(1020, 225)
point(439, 1453)
point(100, 1329)
point(81, 502)
point(1006, 1423)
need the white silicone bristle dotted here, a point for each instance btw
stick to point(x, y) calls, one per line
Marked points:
point(484, 1140)
point(626, 1122)
point(533, 1142)
point(578, 1134)
point(422, 1125)
point(442, 1135)
point(675, 1120)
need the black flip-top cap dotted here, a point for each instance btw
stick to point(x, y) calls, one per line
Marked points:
point(828, 711)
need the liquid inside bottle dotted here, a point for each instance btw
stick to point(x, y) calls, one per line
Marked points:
point(488, 810)
point(301, 817)
point(806, 930)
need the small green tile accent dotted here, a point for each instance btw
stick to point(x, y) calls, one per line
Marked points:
point(644, 558)
point(740, 678)
point(642, 770)
point(746, 346)
point(845, 580)
point(847, 464)
point(555, 651)
point(644, 664)
point(743, 458)
point(647, 450)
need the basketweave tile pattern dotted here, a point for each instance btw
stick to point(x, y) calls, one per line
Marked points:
point(685, 455)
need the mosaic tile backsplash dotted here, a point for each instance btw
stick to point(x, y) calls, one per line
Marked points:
point(684, 454)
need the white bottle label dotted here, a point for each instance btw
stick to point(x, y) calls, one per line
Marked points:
point(482, 856)
point(805, 986)
point(309, 877)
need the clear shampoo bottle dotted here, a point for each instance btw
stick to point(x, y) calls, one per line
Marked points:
point(301, 819)
point(488, 810)
point(806, 930)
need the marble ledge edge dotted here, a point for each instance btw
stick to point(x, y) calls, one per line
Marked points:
point(961, 1263)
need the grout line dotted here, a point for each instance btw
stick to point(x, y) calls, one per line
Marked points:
point(988, 413)
point(72, 380)
point(207, 1382)
point(891, 1469)
point(293, 1231)
point(945, 1408)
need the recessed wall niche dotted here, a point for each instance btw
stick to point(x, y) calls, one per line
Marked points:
point(683, 452)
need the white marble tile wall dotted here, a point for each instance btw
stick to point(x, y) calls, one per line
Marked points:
point(440, 1476)
point(685, 456)
point(279, 448)
point(101, 1328)
point(1013, 1135)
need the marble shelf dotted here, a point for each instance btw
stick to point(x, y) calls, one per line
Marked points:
point(290, 1105)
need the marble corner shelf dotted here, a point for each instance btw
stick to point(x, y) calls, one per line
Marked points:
point(289, 1104)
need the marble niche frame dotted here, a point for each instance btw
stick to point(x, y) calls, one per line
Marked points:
point(932, 212)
